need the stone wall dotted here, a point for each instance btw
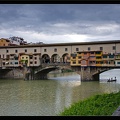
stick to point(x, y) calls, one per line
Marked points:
point(16, 73)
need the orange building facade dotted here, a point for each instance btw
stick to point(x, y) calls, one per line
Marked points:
point(4, 42)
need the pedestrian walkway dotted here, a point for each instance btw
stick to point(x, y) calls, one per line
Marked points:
point(117, 112)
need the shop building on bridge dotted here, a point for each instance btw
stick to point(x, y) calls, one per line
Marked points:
point(97, 53)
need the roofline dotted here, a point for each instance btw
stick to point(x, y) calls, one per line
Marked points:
point(64, 44)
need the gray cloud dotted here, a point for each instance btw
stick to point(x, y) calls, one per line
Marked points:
point(60, 22)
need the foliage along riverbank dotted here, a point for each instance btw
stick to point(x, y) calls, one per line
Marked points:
point(98, 105)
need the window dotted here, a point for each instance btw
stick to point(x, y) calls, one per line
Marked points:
point(0, 56)
point(98, 52)
point(111, 56)
point(118, 62)
point(114, 47)
point(55, 50)
point(22, 57)
point(35, 58)
point(88, 48)
point(74, 62)
point(92, 52)
point(104, 56)
point(31, 62)
point(25, 50)
point(7, 56)
point(77, 49)
point(101, 48)
point(7, 51)
point(66, 49)
point(16, 51)
point(35, 62)
point(35, 50)
point(74, 57)
point(31, 57)
point(98, 57)
point(16, 62)
point(26, 57)
point(79, 57)
point(45, 50)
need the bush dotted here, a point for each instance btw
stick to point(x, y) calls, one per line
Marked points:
point(98, 105)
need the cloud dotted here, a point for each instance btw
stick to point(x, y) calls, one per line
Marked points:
point(60, 23)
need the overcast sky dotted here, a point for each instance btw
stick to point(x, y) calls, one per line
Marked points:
point(60, 23)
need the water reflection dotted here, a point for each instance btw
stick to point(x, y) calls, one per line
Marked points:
point(47, 97)
point(110, 74)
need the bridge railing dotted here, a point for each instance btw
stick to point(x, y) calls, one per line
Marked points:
point(54, 64)
point(43, 65)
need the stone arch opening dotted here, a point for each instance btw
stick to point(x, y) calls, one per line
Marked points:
point(66, 58)
point(55, 58)
point(96, 75)
point(45, 58)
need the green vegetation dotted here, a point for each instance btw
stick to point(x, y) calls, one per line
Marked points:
point(98, 105)
point(66, 70)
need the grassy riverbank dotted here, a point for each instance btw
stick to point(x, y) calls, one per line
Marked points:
point(98, 105)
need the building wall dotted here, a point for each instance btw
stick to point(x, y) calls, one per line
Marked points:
point(4, 42)
point(61, 50)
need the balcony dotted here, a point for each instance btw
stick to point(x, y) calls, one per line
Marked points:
point(92, 58)
point(117, 57)
point(92, 64)
point(92, 54)
point(85, 57)
point(98, 58)
point(99, 64)
point(98, 53)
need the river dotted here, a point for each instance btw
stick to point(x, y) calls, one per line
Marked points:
point(49, 97)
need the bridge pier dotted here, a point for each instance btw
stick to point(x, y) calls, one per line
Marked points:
point(41, 76)
point(87, 74)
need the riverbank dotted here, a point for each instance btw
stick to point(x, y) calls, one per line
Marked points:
point(98, 105)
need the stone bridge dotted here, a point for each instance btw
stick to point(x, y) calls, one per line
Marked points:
point(87, 73)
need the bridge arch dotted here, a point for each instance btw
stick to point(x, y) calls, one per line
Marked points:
point(55, 58)
point(45, 58)
point(65, 58)
point(98, 72)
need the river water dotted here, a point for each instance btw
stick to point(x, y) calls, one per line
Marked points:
point(49, 97)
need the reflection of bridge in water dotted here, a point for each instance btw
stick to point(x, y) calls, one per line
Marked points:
point(88, 73)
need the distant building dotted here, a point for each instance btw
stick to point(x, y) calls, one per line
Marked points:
point(12, 41)
point(39, 43)
point(17, 41)
point(4, 42)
